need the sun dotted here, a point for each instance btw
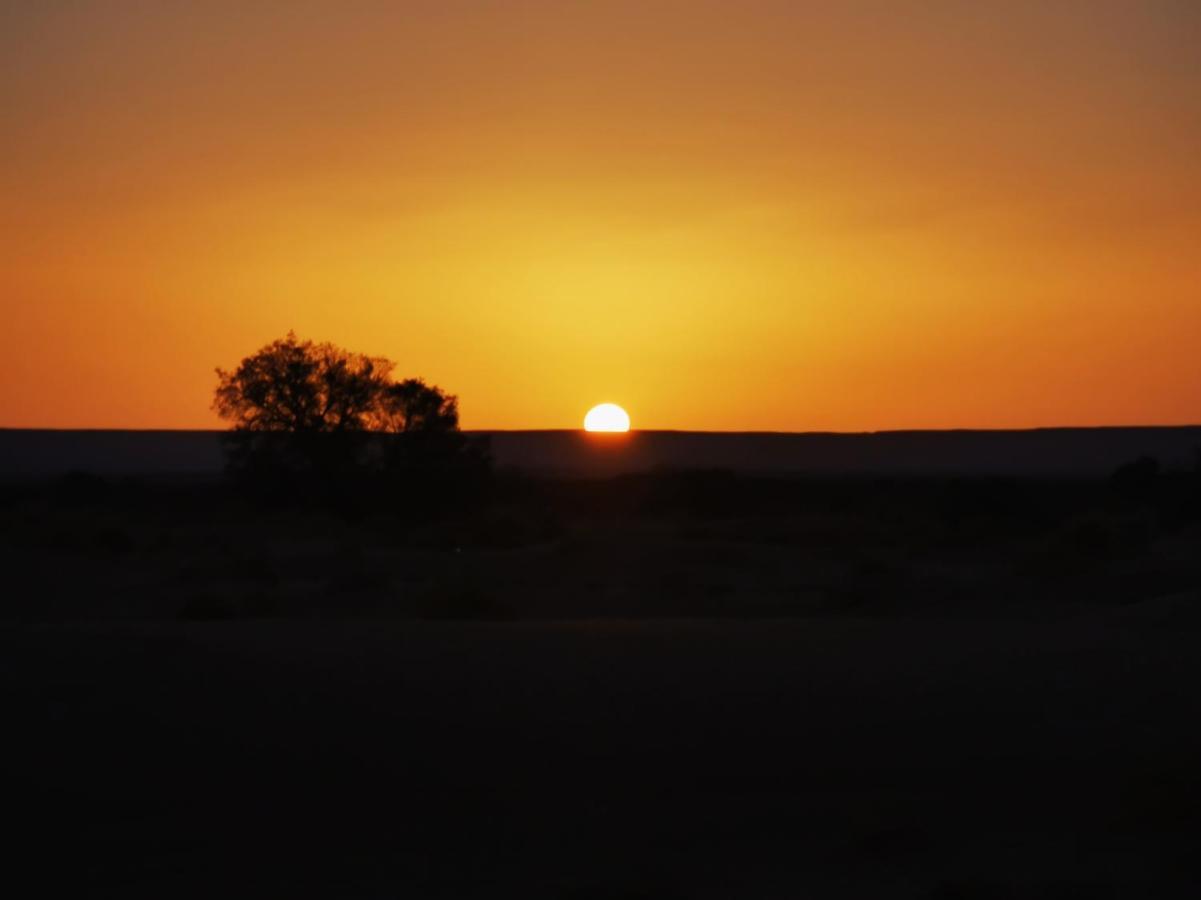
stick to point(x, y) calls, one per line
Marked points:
point(607, 417)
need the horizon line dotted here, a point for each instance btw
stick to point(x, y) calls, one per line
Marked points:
point(580, 430)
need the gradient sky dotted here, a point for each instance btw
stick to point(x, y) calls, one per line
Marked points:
point(738, 215)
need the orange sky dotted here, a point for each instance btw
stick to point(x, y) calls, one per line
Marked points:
point(752, 215)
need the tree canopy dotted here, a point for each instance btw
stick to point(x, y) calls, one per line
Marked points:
point(304, 387)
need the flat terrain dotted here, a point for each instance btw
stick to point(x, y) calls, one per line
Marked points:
point(1043, 452)
point(669, 686)
point(620, 759)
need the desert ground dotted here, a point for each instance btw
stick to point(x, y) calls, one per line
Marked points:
point(676, 684)
point(822, 758)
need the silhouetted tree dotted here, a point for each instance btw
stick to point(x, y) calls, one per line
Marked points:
point(299, 408)
point(1137, 476)
point(301, 387)
point(412, 406)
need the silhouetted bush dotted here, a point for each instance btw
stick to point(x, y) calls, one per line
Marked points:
point(215, 606)
point(1098, 536)
point(1137, 476)
point(459, 596)
point(80, 488)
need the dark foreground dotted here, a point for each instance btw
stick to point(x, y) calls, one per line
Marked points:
point(686, 759)
point(626, 690)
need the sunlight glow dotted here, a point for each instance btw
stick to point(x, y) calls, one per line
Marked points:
point(607, 417)
point(652, 200)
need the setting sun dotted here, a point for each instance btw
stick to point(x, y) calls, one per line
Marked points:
point(607, 417)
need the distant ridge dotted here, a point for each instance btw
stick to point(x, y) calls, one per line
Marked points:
point(1057, 452)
